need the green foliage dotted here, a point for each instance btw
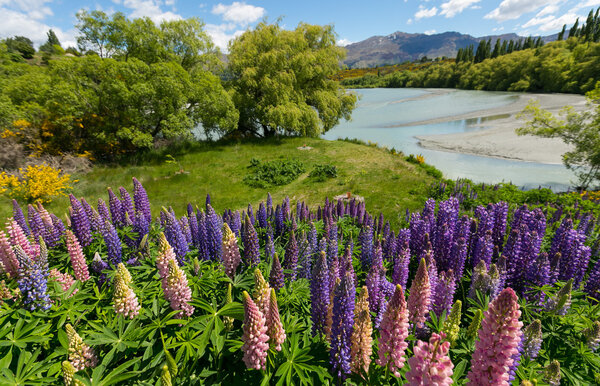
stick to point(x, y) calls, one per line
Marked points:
point(581, 130)
point(22, 45)
point(323, 172)
point(282, 83)
point(273, 173)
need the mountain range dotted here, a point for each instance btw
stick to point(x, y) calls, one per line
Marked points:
point(401, 47)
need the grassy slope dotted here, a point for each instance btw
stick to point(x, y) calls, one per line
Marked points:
point(388, 183)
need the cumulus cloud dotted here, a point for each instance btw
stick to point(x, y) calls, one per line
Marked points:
point(452, 8)
point(551, 23)
point(548, 10)
point(35, 9)
point(514, 9)
point(150, 8)
point(430, 32)
point(344, 42)
point(424, 12)
point(585, 5)
point(221, 34)
point(239, 13)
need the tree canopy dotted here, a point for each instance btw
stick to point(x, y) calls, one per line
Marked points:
point(281, 80)
point(582, 130)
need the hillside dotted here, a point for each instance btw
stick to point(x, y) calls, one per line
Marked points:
point(400, 47)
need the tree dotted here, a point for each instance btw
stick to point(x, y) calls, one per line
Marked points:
point(582, 130)
point(99, 33)
point(52, 45)
point(281, 80)
point(561, 34)
point(22, 45)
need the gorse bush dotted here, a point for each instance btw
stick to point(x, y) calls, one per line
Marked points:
point(287, 295)
point(273, 173)
point(323, 172)
point(36, 183)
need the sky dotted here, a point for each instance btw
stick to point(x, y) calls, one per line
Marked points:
point(353, 20)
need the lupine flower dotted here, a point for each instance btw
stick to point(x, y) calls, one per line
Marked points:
point(98, 265)
point(419, 297)
point(113, 243)
point(262, 291)
point(319, 293)
point(592, 336)
point(165, 376)
point(116, 210)
point(228, 320)
point(329, 317)
point(231, 252)
point(341, 329)
point(251, 247)
point(475, 324)
point(140, 198)
point(20, 217)
point(17, 237)
point(291, 257)
point(304, 257)
point(126, 203)
point(9, 261)
point(362, 339)
point(400, 274)
point(103, 211)
point(276, 279)
point(213, 233)
point(274, 327)
point(552, 373)
point(365, 238)
point(561, 302)
point(176, 289)
point(532, 339)
point(499, 338)
point(80, 223)
point(512, 371)
point(63, 279)
point(124, 299)
point(444, 293)
point(255, 336)
point(33, 280)
point(452, 323)
point(431, 364)
point(81, 355)
point(393, 333)
point(35, 223)
point(175, 236)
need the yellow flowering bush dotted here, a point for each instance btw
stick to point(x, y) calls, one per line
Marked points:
point(36, 183)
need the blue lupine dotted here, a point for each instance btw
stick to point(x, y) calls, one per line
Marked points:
point(251, 247)
point(58, 228)
point(35, 222)
point(203, 252)
point(175, 235)
point(279, 221)
point(140, 198)
point(291, 257)
point(365, 239)
point(33, 280)
point(140, 226)
point(401, 262)
point(213, 232)
point(319, 293)
point(193, 225)
point(342, 326)
point(185, 228)
point(126, 203)
point(532, 339)
point(20, 217)
point(103, 211)
point(444, 293)
point(116, 211)
point(80, 222)
point(113, 243)
point(276, 278)
point(261, 215)
point(251, 214)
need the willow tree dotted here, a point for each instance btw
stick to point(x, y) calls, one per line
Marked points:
point(282, 80)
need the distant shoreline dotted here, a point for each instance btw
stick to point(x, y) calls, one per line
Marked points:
point(498, 139)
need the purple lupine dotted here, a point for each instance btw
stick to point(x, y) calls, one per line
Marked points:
point(304, 257)
point(332, 241)
point(401, 263)
point(444, 293)
point(459, 256)
point(389, 246)
point(103, 211)
point(35, 223)
point(365, 239)
point(319, 293)
point(269, 205)
point(99, 266)
point(251, 247)
point(342, 326)
point(261, 215)
point(537, 275)
point(58, 228)
point(532, 339)
point(269, 247)
point(279, 221)
point(419, 229)
point(193, 225)
point(20, 217)
point(185, 229)
point(483, 249)
point(251, 214)
point(207, 203)
point(113, 243)
point(174, 235)
point(592, 286)
point(116, 211)
point(126, 203)
point(291, 257)
point(313, 240)
point(276, 279)
point(213, 232)
point(33, 279)
point(500, 211)
point(80, 222)
point(202, 236)
point(374, 279)
point(346, 263)
point(140, 198)
point(96, 221)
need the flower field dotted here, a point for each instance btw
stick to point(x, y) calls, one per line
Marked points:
point(287, 294)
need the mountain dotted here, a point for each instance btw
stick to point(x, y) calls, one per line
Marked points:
point(400, 47)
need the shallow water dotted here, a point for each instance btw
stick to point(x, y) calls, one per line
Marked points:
point(385, 115)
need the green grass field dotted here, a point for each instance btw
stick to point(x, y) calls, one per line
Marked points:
point(388, 183)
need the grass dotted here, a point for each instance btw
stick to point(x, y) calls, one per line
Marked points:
point(389, 183)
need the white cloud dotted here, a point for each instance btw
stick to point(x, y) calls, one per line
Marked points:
point(552, 23)
point(239, 13)
point(585, 4)
point(21, 23)
point(548, 10)
point(424, 12)
point(151, 9)
point(35, 9)
point(514, 9)
point(452, 8)
point(344, 42)
point(409, 21)
point(221, 34)
point(430, 32)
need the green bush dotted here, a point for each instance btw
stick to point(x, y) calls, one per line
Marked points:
point(265, 174)
point(323, 172)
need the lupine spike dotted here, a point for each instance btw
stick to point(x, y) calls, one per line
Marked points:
point(291, 257)
point(81, 355)
point(68, 371)
point(177, 291)
point(475, 324)
point(342, 325)
point(419, 296)
point(262, 291)
point(33, 281)
point(165, 376)
point(319, 293)
point(124, 299)
point(251, 247)
point(274, 326)
point(532, 339)
point(452, 323)
point(231, 252)
point(552, 373)
point(592, 336)
point(255, 336)
point(362, 339)
point(9, 261)
point(113, 243)
point(393, 333)
point(430, 364)
point(276, 279)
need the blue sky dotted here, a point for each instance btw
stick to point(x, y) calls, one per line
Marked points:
point(353, 20)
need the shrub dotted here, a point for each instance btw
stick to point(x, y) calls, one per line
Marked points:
point(36, 183)
point(323, 172)
point(271, 173)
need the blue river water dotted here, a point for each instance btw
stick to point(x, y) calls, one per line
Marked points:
point(385, 115)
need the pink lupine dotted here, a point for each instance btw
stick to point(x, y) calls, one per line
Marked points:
point(10, 264)
point(274, 326)
point(80, 267)
point(125, 301)
point(262, 291)
point(419, 297)
point(393, 332)
point(64, 279)
point(231, 251)
point(255, 336)
point(430, 364)
point(499, 338)
point(176, 289)
point(18, 237)
point(165, 253)
point(81, 355)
